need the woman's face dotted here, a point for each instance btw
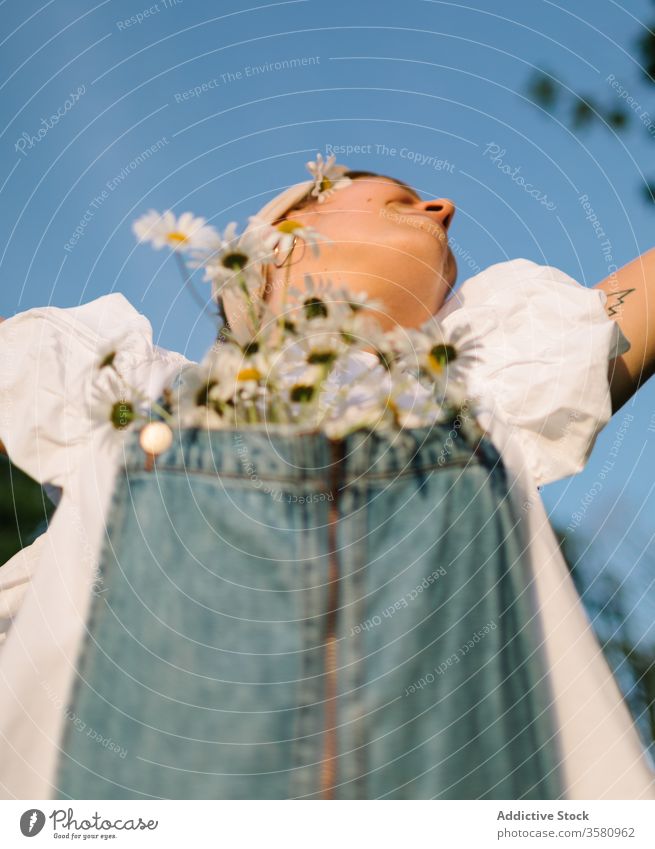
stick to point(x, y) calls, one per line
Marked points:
point(384, 241)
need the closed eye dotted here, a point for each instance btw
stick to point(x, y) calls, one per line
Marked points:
point(404, 197)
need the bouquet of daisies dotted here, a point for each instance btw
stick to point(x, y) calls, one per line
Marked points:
point(322, 362)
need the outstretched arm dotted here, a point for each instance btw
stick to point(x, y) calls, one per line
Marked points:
point(631, 303)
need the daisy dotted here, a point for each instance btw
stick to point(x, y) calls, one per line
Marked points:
point(287, 233)
point(289, 367)
point(320, 299)
point(411, 404)
point(362, 301)
point(193, 403)
point(180, 234)
point(241, 374)
point(120, 353)
point(322, 345)
point(301, 393)
point(362, 405)
point(114, 405)
point(328, 177)
point(264, 233)
point(251, 379)
point(277, 240)
point(362, 330)
point(437, 353)
point(106, 354)
point(458, 349)
point(235, 260)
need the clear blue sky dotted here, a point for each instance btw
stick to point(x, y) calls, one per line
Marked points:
point(440, 79)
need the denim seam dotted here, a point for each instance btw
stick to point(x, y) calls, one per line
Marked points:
point(301, 713)
point(359, 586)
point(319, 484)
point(117, 514)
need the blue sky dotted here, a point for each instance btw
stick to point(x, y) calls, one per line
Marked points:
point(440, 80)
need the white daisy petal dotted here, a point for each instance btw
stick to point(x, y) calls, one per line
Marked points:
point(328, 177)
point(185, 233)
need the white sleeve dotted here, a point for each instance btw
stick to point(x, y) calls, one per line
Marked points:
point(15, 577)
point(544, 345)
point(48, 358)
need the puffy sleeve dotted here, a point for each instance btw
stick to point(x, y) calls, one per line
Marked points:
point(544, 342)
point(48, 355)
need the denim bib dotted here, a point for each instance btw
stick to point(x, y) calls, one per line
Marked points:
point(280, 615)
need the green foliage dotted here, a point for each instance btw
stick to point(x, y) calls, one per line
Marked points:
point(24, 509)
point(603, 596)
point(544, 90)
point(582, 112)
point(617, 118)
point(645, 45)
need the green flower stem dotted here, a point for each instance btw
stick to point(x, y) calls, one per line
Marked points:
point(278, 413)
point(287, 279)
point(251, 306)
point(153, 404)
point(186, 277)
point(161, 411)
point(325, 369)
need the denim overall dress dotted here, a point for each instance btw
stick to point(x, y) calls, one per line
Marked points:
point(280, 615)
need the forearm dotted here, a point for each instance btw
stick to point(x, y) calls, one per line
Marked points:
point(631, 303)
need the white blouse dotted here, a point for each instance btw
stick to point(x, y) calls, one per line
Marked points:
point(543, 396)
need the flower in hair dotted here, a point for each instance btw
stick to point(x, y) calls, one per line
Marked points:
point(328, 177)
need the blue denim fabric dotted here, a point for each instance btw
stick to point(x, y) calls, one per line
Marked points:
point(283, 616)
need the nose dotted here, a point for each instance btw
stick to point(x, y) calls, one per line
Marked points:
point(442, 209)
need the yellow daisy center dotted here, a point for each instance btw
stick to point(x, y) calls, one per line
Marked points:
point(436, 364)
point(249, 373)
point(440, 355)
point(176, 237)
point(289, 226)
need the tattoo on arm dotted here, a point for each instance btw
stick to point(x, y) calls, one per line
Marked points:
point(615, 299)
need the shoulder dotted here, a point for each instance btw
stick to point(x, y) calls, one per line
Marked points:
point(543, 345)
point(521, 297)
point(88, 322)
point(514, 279)
point(47, 385)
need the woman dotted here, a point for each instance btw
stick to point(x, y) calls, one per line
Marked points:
point(541, 406)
